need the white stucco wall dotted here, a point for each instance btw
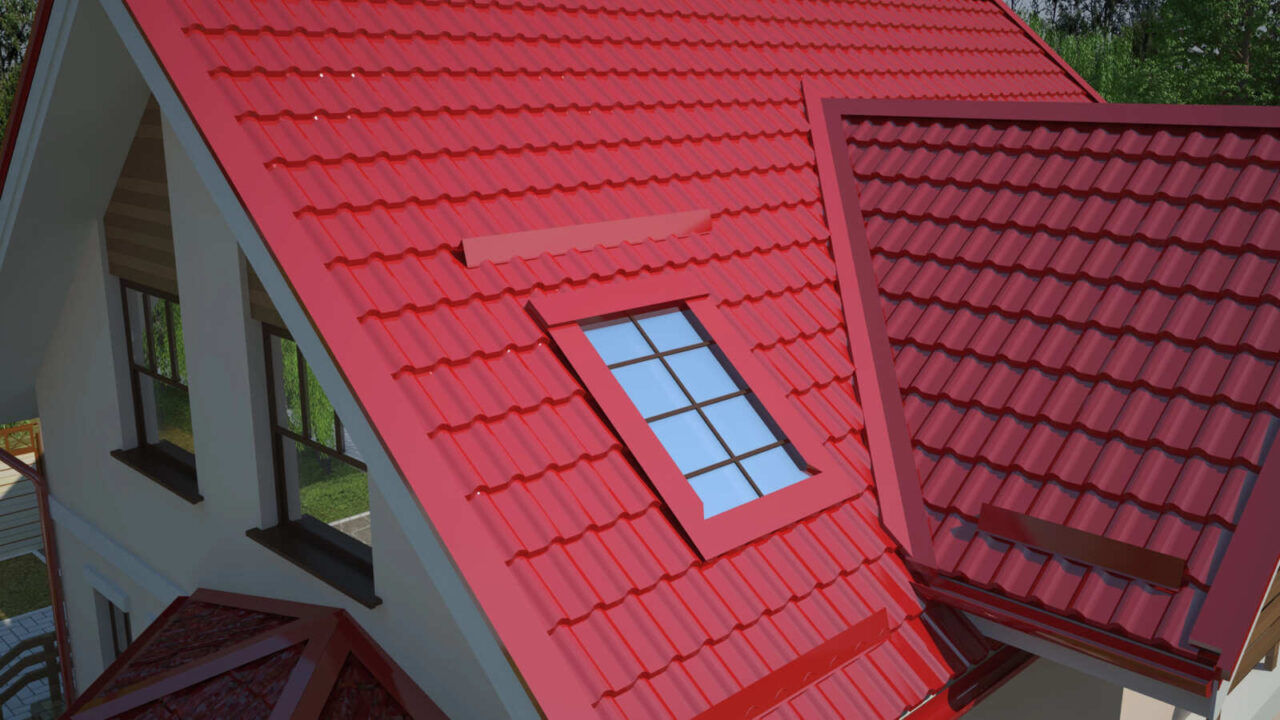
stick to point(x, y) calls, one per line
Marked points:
point(84, 410)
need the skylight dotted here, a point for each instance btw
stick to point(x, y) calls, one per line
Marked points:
point(712, 426)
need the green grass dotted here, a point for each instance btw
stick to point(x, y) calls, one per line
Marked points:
point(24, 586)
point(333, 493)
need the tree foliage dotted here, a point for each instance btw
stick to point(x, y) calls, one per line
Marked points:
point(1167, 51)
point(15, 30)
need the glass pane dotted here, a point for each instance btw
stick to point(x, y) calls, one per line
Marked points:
point(650, 387)
point(773, 470)
point(179, 344)
point(702, 374)
point(618, 341)
point(169, 417)
point(289, 400)
point(137, 328)
point(160, 335)
point(321, 412)
point(669, 330)
point(332, 491)
point(689, 440)
point(722, 489)
point(739, 424)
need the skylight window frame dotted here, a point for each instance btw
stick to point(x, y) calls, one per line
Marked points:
point(563, 315)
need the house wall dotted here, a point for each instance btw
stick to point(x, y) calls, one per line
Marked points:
point(156, 541)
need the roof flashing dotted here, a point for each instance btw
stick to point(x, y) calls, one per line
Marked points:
point(556, 240)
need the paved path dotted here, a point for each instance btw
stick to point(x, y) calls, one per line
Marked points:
point(13, 631)
point(357, 526)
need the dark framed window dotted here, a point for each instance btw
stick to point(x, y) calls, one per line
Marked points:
point(719, 436)
point(116, 630)
point(165, 448)
point(323, 522)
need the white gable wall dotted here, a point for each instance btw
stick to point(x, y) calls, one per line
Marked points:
point(117, 527)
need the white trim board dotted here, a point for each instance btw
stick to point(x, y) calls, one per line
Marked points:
point(48, 64)
point(405, 507)
point(146, 577)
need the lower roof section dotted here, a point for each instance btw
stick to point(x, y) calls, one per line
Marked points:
point(1082, 306)
point(222, 655)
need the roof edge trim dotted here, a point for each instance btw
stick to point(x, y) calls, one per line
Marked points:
point(17, 112)
point(555, 240)
point(1236, 596)
point(902, 508)
point(1235, 116)
point(1047, 50)
point(1151, 662)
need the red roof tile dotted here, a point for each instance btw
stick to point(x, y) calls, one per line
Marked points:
point(369, 139)
point(221, 655)
point(1140, 297)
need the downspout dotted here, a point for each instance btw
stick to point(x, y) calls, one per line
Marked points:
point(51, 560)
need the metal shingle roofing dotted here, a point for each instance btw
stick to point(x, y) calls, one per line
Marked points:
point(368, 139)
point(222, 655)
point(1083, 308)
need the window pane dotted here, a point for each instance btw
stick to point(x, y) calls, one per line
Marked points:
point(689, 440)
point(290, 402)
point(179, 344)
point(650, 387)
point(167, 413)
point(722, 489)
point(773, 470)
point(739, 424)
point(702, 374)
point(669, 330)
point(160, 335)
point(331, 490)
point(321, 413)
point(618, 341)
point(137, 329)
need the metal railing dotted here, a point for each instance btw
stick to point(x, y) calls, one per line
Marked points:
point(21, 439)
point(20, 668)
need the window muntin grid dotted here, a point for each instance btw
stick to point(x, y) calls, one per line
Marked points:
point(712, 426)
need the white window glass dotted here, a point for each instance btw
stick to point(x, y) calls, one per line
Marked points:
point(709, 422)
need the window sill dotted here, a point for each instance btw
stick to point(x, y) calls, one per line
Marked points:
point(164, 469)
point(340, 561)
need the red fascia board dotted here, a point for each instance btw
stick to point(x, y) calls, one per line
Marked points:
point(531, 243)
point(893, 464)
point(1233, 116)
point(543, 666)
point(39, 24)
point(974, 685)
point(829, 483)
point(1240, 587)
point(1044, 47)
point(1124, 558)
point(773, 689)
point(1124, 653)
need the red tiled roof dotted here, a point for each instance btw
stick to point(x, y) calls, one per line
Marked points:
point(220, 655)
point(368, 139)
point(1083, 306)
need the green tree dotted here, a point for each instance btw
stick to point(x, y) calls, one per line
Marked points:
point(1167, 51)
point(15, 30)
